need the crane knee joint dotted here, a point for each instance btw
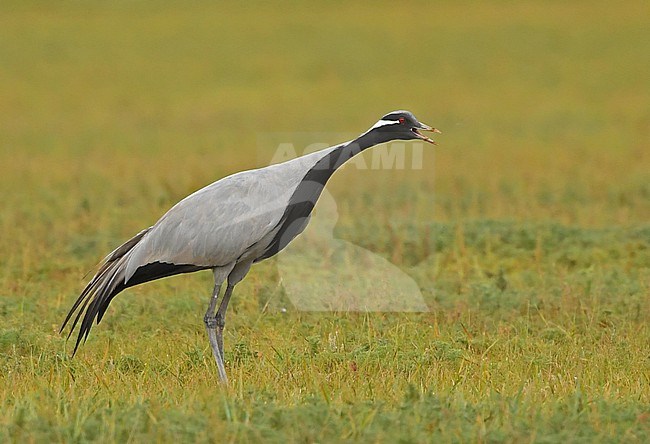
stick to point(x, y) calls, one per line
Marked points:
point(210, 322)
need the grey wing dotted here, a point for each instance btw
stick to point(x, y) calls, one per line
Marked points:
point(215, 225)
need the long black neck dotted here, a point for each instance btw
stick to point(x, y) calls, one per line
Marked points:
point(311, 186)
point(326, 166)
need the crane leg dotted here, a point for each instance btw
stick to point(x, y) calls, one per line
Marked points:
point(211, 326)
point(215, 322)
point(220, 317)
point(210, 321)
point(235, 276)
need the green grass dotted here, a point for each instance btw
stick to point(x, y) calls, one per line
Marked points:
point(526, 229)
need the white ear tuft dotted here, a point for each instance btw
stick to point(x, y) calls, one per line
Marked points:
point(381, 123)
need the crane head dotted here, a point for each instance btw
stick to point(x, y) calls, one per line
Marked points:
point(401, 125)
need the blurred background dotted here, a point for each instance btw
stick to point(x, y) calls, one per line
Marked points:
point(544, 105)
point(111, 113)
point(539, 189)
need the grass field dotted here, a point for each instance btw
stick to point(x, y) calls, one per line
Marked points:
point(527, 229)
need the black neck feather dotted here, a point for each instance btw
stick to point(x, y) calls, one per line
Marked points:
point(309, 189)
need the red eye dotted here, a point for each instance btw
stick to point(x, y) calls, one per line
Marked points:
point(401, 120)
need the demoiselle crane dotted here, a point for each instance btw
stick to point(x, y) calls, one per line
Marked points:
point(228, 226)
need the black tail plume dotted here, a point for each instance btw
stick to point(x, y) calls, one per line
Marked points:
point(107, 282)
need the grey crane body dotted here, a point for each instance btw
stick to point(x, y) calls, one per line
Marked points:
point(227, 226)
